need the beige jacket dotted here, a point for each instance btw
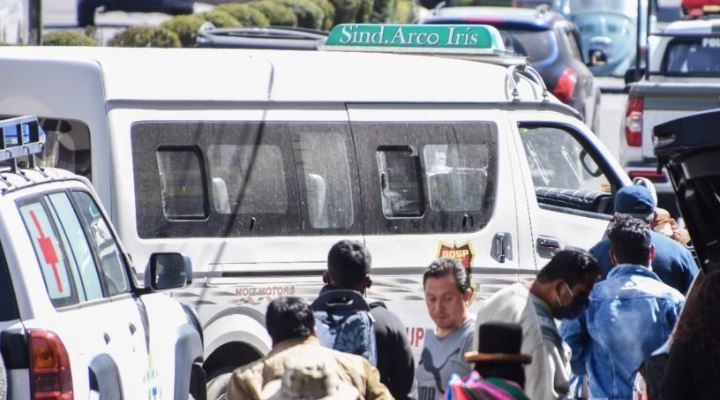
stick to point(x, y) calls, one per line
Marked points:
point(546, 377)
point(247, 381)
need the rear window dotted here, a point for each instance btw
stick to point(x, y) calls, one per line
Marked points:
point(536, 45)
point(698, 56)
point(622, 7)
point(533, 40)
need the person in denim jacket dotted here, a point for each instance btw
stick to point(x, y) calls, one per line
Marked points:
point(631, 314)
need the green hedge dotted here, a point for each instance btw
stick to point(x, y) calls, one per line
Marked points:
point(352, 11)
point(246, 15)
point(308, 13)
point(278, 14)
point(145, 36)
point(328, 13)
point(220, 18)
point(185, 27)
point(384, 11)
point(67, 38)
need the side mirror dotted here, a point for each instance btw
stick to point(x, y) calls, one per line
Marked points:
point(169, 271)
point(597, 57)
point(633, 74)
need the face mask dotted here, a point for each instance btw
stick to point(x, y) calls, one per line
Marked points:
point(572, 310)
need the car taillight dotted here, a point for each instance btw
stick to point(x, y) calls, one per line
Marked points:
point(50, 374)
point(653, 176)
point(634, 121)
point(565, 86)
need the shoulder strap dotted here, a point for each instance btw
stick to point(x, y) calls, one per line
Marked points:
point(340, 299)
point(376, 304)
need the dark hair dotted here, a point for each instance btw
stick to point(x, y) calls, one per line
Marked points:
point(629, 240)
point(348, 263)
point(573, 265)
point(700, 318)
point(288, 318)
point(448, 266)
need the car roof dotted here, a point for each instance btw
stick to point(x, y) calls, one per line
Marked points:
point(540, 18)
point(692, 27)
point(231, 75)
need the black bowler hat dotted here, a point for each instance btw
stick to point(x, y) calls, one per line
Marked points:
point(499, 342)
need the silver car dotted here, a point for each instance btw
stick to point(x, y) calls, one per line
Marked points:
point(86, 8)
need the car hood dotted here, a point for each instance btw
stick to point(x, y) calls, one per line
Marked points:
point(689, 148)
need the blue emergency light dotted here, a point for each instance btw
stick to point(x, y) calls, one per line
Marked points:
point(21, 136)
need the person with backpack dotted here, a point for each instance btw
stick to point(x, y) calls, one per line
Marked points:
point(446, 283)
point(347, 321)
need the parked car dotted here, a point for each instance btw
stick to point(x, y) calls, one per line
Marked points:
point(86, 8)
point(683, 77)
point(549, 40)
point(74, 322)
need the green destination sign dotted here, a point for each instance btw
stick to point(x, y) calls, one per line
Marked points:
point(465, 37)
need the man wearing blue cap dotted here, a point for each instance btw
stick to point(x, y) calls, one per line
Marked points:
point(673, 263)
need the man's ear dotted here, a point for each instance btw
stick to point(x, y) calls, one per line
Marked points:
point(368, 281)
point(326, 277)
point(468, 294)
point(612, 257)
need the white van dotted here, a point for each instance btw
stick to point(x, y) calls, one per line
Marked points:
point(255, 162)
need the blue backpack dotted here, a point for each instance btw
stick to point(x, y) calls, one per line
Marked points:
point(344, 323)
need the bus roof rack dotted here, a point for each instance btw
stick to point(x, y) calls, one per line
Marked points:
point(19, 137)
